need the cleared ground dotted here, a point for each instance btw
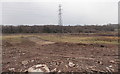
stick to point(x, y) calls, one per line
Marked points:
point(89, 52)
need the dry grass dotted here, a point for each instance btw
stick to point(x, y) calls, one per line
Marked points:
point(14, 38)
point(81, 39)
point(65, 38)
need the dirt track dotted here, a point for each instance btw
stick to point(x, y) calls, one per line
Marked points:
point(40, 41)
point(86, 57)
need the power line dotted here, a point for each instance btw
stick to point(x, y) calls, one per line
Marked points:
point(60, 15)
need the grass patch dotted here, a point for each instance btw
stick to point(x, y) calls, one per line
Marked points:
point(15, 38)
point(65, 38)
point(76, 39)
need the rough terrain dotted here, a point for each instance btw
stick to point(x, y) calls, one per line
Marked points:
point(59, 56)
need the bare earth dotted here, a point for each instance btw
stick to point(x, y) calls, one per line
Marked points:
point(86, 57)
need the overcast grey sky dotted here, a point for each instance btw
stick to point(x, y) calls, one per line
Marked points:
point(81, 12)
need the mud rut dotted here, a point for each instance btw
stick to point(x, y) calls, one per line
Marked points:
point(87, 58)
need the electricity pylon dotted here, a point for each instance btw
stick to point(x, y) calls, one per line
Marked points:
point(60, 15)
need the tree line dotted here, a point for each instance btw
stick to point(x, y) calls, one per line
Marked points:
point(58, 29)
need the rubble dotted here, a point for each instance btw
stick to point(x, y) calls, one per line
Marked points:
point(61, 60)
point(71, 64)
point(11, 69)
point(97, 71)
point(112, 61)
point(24, 62)
point(110, 66)
point(108, 69)
point(54, 70)
point(59, 71)
point(39, 68)
point(32, 60)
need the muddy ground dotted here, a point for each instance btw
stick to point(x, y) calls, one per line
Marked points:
point(18, 57)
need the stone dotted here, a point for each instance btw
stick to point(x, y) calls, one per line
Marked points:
point(24, 62)
point(54, 70)
point(32, 60)
point(59, 71)
point(110, 66)
point(112, 61)
point(11, 69)
point(71, 64)
point(66, 66)
point(112, 70)
point(23, 53)
point(108, 69)
point(39, 68)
